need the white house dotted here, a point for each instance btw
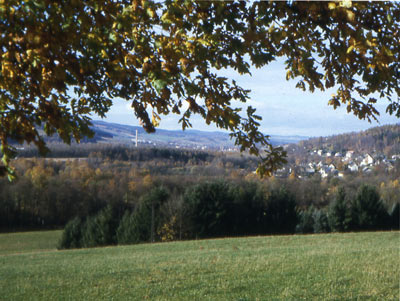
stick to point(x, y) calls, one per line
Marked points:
point(309, 170)
point(324, 171)
point(353, 167)
point(368, 160)
point(332, 167)
point(389, 166)
point(283, 172)
point(349, 155)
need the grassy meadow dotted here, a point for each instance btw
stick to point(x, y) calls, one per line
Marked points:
point(347, 266)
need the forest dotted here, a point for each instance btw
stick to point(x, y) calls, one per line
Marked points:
point(108, 194)
point(382, 139)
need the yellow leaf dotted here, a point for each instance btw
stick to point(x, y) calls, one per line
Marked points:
point(29, 53)
point(289, 74)
point(350, 15)
point(346, 3)
point(150, 12)
point(155, 120)
point(332, 5)
point(271, 28)
point(350, 49)
point(232, 122)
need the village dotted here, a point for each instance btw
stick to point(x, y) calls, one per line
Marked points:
point(331, 164)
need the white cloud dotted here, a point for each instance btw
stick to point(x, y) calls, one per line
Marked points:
point(285, 109)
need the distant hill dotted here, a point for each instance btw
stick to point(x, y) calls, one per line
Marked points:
point(126, 134)
point(382, 139)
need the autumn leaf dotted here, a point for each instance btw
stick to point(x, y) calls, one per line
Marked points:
point(161, 54)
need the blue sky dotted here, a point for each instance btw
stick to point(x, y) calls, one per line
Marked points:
point(285, 109)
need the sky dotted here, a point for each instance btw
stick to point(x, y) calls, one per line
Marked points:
point(285, 109)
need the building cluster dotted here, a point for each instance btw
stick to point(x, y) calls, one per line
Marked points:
point(338, 164)
point(185, 145)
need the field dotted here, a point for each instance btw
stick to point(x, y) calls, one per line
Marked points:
point(312, 267)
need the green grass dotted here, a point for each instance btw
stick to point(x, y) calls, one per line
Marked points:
point(28, 242)
point(348, 266)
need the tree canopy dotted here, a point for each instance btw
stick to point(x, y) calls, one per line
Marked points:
point(63, 61)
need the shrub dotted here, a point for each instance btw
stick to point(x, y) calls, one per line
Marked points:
point(167, 231)
point(306, 221)
point(100, 229)
point(127, 232)
point(281, 214)
point(321, 223)
point(368, 211)
point(141, 225)
point(339, 212)
point(210, 209)
point(249, 209)
point(221, 209)
point(91, 236)
point(72, 234)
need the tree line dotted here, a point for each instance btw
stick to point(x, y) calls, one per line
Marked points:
point(50, 192)
point(220, 209)
point(381, 139)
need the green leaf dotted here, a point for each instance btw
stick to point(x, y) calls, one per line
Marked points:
point(159, 84)
point(113, 37)
point(11, 174)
